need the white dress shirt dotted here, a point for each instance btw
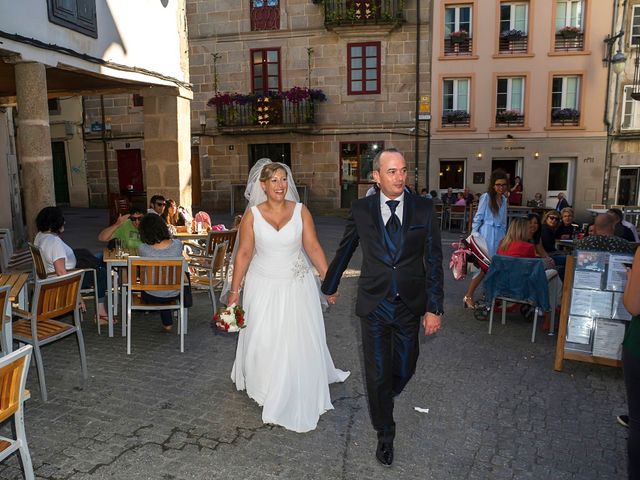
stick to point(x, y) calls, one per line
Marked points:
point(386, 211)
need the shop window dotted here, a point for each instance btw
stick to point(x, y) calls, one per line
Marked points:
point(357, 160)
point(451, 174)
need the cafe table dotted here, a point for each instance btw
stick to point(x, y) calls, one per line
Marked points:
point(18, 294)
point(116, 261)
point(182, 236)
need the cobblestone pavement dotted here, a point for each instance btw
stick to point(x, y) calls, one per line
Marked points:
point(497, 410)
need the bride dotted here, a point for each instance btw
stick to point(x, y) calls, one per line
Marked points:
point(282, 358)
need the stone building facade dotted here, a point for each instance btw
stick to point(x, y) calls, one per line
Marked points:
point(361, 55)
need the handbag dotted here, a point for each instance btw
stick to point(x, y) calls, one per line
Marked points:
point(186, 293)
point(458, 263)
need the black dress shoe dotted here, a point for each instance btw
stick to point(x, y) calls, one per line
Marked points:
point(384, 453)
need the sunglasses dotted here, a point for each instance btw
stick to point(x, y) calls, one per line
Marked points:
point(555, 219)
point(135, 219)
point(161, 204)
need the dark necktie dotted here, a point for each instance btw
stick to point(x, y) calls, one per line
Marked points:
point(393, 224)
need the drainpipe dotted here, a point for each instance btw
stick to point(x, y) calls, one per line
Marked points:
point(417, 125)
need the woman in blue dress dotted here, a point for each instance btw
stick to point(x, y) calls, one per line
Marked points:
point(490, 222)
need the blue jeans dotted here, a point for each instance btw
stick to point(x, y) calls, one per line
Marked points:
point(165, 315)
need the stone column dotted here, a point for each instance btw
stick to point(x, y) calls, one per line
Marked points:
point(167, 144)
point(34, 141)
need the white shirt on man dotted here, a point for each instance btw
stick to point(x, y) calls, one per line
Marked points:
point(386, 211)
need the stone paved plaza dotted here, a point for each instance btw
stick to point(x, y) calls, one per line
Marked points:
point(497, 410)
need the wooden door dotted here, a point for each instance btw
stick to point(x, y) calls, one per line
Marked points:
point(196, 181)
point(130, 170)
point(60, 179)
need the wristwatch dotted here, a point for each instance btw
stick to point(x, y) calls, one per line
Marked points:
point(438, 312)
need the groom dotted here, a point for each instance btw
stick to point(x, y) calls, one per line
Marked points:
point(400, 285)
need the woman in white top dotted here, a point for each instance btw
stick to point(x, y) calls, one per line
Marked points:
point(59, 258)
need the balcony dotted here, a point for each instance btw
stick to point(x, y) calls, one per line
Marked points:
point(456, 119)
point(509, 118)
point(569, 43)
point(341, 13)
point(565, 117)
point(513, 44)
point(458, 47)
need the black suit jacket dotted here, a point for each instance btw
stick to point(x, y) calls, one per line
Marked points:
point(417, 266)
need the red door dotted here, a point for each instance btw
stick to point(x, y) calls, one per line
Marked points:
point(130, 170)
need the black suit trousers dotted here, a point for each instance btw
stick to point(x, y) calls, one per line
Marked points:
point(390, 344)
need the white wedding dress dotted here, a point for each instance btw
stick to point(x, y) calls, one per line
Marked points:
point(282, 358)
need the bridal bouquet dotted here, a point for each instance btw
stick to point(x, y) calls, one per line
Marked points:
point(231, 319)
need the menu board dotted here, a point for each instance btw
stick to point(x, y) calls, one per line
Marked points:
point(597, 318)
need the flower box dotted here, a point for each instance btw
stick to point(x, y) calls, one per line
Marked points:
point(513, 34)
point(569, 31)
point(459, 36)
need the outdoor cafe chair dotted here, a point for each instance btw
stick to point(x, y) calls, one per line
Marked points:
point(208, 271)
point(517, 280)
point(41, 273)
point(4, 319)
point(53, 297)
point(457, 213)
point(154, 274)
point(12, 260)
point(13, 377)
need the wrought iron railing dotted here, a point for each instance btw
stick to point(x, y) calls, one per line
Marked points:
point(456, 121)
point(566, 43)
point(362, 12)
point(509, 45)
point(277, 112)
point(509, 120)
point(453, 47)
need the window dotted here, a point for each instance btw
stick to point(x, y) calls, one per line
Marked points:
point(565, 100)
point(78, 15)
point(513, 16)
point(635, 27)
point(265, 15)
point(510, 100)
point(137, 100)
point(54, 106)
point(569, 13)
point(276, 152)
point(457, 19)
point(363, 68)
point(265, 70)
point(631, 112)
point(357, 160)
point(455, 102)
point(451, 174)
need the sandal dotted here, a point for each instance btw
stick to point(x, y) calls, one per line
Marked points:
point(104, 320)
point(467, 302)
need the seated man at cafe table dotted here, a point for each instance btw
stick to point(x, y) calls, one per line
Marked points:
point(603, 239)
point(622, 229)
point(156, 204)
point(125, 229)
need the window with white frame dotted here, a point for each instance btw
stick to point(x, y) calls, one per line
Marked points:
point(565, 92)
point(455, 95)
point(635, 26)
point(569, 13)
point(510, 95)
point(457, 18)
point(513, 16)
point(631, 111)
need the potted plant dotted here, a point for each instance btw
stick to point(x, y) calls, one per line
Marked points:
point(569, 31)
point(564, 114)
point(459, 36)
point(456, 116)
point(513, 34)
point(509, 116)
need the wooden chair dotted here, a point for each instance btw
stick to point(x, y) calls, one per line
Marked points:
point(5, 320)
point(53, 297)
point(439, 213)
point(598, 206)
point(12, 260)
point(118, 205)
point(154, 274)
point(41, 273)
point(13, 377)
point(457, 213)
point(209, 271)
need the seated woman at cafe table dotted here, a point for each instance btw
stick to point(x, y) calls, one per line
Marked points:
point(125, 229)
point(158, 242)
point(567, 229)
point(550, 222)
point(59, 258)
point(171, 214)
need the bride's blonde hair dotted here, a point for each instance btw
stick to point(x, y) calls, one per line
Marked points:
point(270, 169)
